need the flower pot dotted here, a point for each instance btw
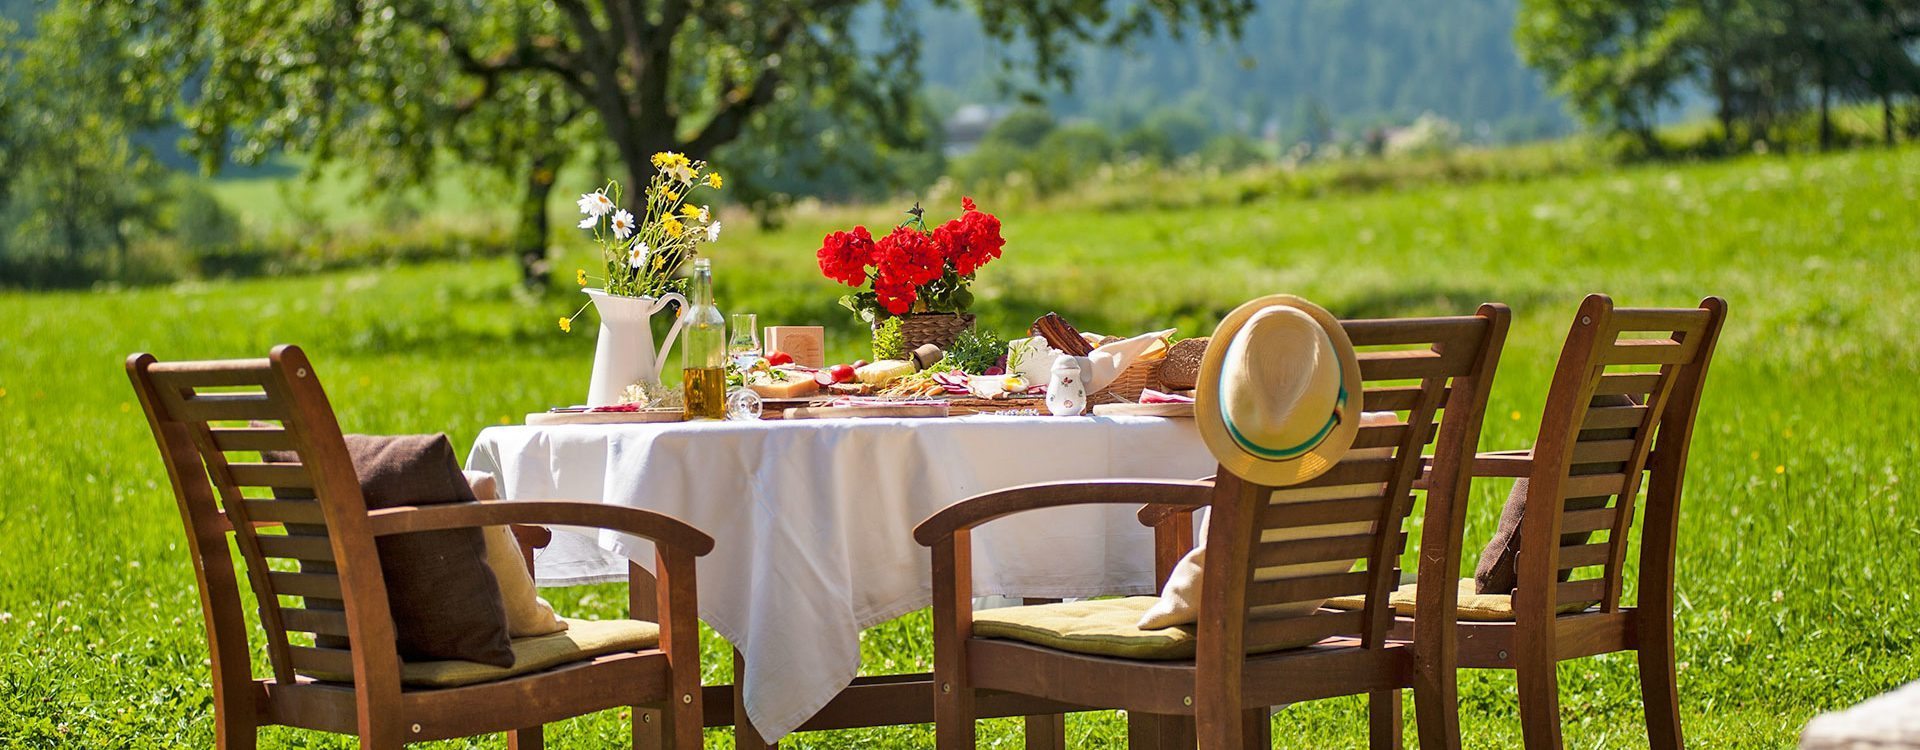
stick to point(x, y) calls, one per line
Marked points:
point(624, 353)
point(938, 329)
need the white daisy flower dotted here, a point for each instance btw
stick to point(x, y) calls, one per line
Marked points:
point(706, 214)
point(595, 204)
point(622, 224)
point(637, 256)
point(589, 222)
point(682, 173)
point(713, 231)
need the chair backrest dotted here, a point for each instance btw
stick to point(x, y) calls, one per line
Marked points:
point(1623, 401)
point(1275, 554)
point(300, 525)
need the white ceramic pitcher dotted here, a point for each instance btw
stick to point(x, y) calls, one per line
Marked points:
point(624, 354)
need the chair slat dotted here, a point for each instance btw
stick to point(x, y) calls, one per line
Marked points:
point(327, 661)
point(1627, 383)
point(1659, 320)
point(294, 476)
point(1398, 398)
point(1311, 628)
point(285, 511)
point(317, 585)
point(252, 439)
point(1383, 436)
point(1614, 417)
point(229, 407)
point(296, 547)
point(1647, 352)
point(1589, 590)
point(1307, 588)
point(254, 373)
point(1322, 549)
point(1593, 485)
point(316, 621)
point(1583, 555)
point(1321, 512)
point(1357, 471)
point(1602, 451)
point(1407, 331)
point(1403, 365)
point(1595, 519)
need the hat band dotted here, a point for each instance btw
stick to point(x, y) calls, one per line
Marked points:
point(1282, 454)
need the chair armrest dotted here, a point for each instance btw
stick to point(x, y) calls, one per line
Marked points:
point(1157, 513)
point(660, 528)
point(982, 508)
point(1503, 464)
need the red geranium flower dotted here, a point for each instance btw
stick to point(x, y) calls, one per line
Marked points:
point(971, 241)
point(909, 257)
point(845, 256)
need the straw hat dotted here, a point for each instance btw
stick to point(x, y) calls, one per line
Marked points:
point(1278, 399)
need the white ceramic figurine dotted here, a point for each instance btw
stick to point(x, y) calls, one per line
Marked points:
point(1066, 391)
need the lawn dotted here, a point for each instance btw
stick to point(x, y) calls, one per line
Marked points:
point(1801, 535)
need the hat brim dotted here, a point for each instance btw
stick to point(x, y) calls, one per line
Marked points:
point(1231, 454)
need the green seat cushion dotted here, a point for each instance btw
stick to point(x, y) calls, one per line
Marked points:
point(1100, 627)
point(582, 640)
point(1473, 606)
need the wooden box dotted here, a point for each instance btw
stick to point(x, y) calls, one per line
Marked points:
point(807, 344)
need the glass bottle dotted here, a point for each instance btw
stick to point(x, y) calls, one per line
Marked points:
point(703, 349)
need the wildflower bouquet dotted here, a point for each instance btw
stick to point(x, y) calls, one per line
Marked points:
point(913, 269)
point(643, 253)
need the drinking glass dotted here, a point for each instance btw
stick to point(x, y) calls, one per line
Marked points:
point(743, 342)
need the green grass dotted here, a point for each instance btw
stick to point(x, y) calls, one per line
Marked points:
point(1801, 531)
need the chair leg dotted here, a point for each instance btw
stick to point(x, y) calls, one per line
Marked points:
point(1047, 732)
point(233, 733)
point(953, 716)
point(1158, 732)
point(649, 725)
point(529, 738)
point(1436, 707)
point(1219, 727)
point(1659, 684)
point(1539, 704)
point(1256, 728)
point(1385, 727)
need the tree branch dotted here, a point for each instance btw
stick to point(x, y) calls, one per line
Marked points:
point(726, 124)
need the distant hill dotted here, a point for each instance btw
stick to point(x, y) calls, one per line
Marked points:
point(1358, 62)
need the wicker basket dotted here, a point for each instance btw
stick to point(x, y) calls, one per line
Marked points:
point(1139, 376)
point(938, 329)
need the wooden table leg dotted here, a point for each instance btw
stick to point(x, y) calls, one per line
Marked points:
point(744, 735)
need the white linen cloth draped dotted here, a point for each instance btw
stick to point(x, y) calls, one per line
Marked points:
point(812, 521)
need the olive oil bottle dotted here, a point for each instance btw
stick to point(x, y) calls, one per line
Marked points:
point(703, 349)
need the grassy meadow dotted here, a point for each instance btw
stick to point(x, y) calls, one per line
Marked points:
point(1802, 528)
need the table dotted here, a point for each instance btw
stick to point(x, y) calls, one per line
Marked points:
point(812, 524)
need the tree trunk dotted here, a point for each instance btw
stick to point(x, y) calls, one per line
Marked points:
point(1886, 117)
point(531, 232)
point(1826, 119)
point(1723, 94)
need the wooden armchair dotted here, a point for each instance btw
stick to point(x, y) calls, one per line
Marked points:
point(1220, 698)
point(1585, 473)
point(321, 552)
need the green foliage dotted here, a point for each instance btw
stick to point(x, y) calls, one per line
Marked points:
point(1805, 435)
point(975, 350)
point(888, 341)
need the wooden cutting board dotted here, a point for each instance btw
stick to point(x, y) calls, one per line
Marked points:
point(548, 418)
point(1144, 410)
point(908, 411)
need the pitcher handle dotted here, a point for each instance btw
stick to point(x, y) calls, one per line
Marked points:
point(673, 332)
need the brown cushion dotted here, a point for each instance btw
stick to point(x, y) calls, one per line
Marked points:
point(1498, 569)
point(445, 602)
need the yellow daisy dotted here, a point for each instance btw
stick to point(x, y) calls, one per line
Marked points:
point(673, 226)
point(713, 180)
point(580, 276)
point(566, 325)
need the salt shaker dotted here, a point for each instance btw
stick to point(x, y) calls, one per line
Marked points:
point(1066, 392)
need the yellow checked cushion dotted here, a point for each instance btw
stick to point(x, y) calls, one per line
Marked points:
point(1473, 606)
point(1102, 627)
point(582, 640)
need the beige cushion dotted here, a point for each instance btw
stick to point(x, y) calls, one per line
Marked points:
point(527, 613)
point(582, 639)
point(1179, 602)
point(1101, 627)
point(1473, 606)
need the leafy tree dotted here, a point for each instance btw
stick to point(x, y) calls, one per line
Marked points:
point(1616, 61)
point(398, 82)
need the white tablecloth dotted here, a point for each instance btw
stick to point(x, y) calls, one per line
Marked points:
point(812, 521)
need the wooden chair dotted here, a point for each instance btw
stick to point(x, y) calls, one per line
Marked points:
point(201, 413)
point(1415, 367)
point(1584, 475)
